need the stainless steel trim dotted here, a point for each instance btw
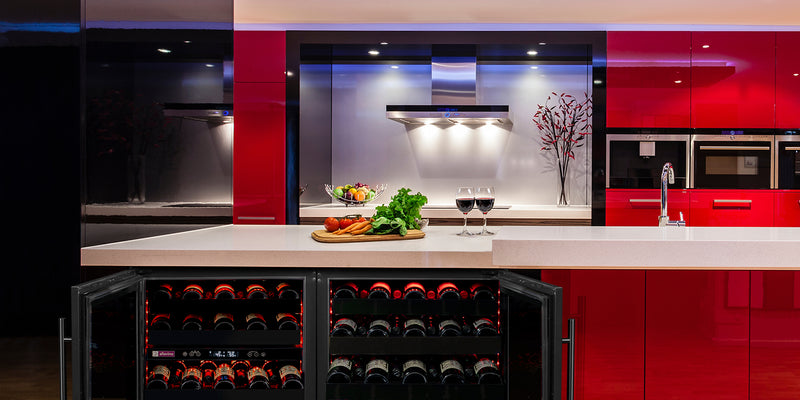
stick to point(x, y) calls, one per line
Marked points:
point(776, 154)
point(773, 181)
point(450, 117)
point(764, 148)
point(655, 137)
point(732, 138)
point(257, 218)
point(572, 341)
point(793, 148)
point(62, 366)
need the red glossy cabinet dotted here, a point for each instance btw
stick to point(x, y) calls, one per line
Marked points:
point(259, 148)
point(648, 79)
point(733, 80)
point(259, 56)
point(697, 335)
point(608, 306)
point(787, 79)
point(787, 208)
point(775, 335)
point(732, 207)
point(641, 207)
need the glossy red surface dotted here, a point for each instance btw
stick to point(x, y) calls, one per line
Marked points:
point(733, 80)
point(259, 148)
point(609, 310)
point(259, 56)
point(787, 208)
point(641, 207)
point(732, 207)
point(648, 79)
point(787, 79)
point(697, 335)
point(775, 335)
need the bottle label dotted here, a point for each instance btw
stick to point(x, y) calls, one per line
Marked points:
point(223, 370)
point(482, 321)
point(346, 321)
point(287, 370)
point(341, 362)
point(379, 364)
point(220, 316)
point(412, 322)
point(192, 373)
point(447, 322)
point(483, 363)
point(254, 372)
point(413, 364)
point(448, 364)
point(379, 322)
point(161, 370)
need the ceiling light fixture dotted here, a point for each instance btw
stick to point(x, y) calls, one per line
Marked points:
point(532, 52)
point(374, 52)
point(395, 67)
point(384, 43)
point(210, 65)
point(534, 67)
point(165, 51)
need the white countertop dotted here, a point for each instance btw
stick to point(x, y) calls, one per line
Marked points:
point(598, 247)
point(450, 211)
point(534, 247)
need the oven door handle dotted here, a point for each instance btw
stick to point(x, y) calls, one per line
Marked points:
point(738, 148)
point(794, 148)
point(726, 203)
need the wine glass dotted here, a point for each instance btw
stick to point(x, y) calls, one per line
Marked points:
point(484, 199)
point(465, 201)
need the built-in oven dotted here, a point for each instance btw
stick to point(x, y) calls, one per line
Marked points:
point(787, 161)
point(634, 161)
point(732, 161)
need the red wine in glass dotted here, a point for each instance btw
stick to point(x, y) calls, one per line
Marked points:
point(465, 201)
point(484, 205)
point(484, 199)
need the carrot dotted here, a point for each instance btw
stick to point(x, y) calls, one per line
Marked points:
point(362, 230)
point(352, 227)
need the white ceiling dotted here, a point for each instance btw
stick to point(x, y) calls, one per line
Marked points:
point(595, 12)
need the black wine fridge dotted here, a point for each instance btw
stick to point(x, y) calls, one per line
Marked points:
point(302, 334)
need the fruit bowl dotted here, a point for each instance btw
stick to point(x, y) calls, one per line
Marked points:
point(351, 199)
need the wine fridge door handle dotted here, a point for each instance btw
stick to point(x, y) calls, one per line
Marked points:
point(62, 366)
point(571, 340)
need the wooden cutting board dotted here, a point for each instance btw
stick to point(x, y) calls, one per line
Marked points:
point(328, 237)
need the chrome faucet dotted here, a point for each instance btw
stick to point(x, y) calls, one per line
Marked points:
point(667, 175)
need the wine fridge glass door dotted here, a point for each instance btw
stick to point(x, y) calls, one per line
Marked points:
point(106, 333)
point(531, 318)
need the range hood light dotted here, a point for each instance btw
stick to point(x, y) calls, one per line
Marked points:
point(532, 52)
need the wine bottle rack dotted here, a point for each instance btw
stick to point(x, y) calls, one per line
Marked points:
point(210, 394)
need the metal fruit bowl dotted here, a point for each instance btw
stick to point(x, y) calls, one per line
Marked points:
point(379, 189)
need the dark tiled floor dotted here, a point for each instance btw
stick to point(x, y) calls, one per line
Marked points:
point(29, 368)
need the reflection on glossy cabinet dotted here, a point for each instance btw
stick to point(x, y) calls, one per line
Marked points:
point(648, 79)
point(787, 208)
point(733, 80)
point(775, 335)
point(259, 166)
point(787, 79)
point(732, 207)
point(641, 207)
point(697, 335)
point(608, 306)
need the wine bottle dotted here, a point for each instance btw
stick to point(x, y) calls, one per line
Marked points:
point(486, 372)
point(380, 290)
point(379, 328)
point(340, 370)
point(448, 291)
point(484, 327)
point(193, 292)
point(414, 291)
point(414, 327)
point(344, 327)
point(207, 368)
point(286, 292)
point(451, 372)
point(192, 322)
point(158, 378)
point(162, 293)
point(377, 371)
point(449, 327)
point(348, 290)
point(287, 322)
point(291, 377)
point(223, 322)
point(192, 379)
point(240, 368)
point(256, 292)
point(257, 378)
point(224, 291)
point(255, 322)
point(414, 372)
point(223, 377)
point(161, 323)
point(480, 291)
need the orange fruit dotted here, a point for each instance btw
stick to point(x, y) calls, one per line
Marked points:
point(360, 196)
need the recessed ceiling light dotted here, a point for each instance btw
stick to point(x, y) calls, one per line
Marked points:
point(289, 73)
point(165, 51)
point(534, 67)
point(705, 46)
point(395, 67)
point(384, 43)
point(532, 52)
point(542, 43)
point(597, 81)
point(374, 52)
point(187, 41)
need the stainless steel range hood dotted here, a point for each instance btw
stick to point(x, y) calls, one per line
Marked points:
point(453, 97)
point(215, 113)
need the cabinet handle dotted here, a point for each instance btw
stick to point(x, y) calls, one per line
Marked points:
point(745, 148)
point(62, 367)
point(644, 203)
point(733, 203)
point(256, 218)
point(571, 340)
point(795, 148)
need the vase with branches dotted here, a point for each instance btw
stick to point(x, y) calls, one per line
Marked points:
point(563, 122)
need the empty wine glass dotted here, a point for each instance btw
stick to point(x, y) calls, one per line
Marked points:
point(465, 201)
point(484, 199)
